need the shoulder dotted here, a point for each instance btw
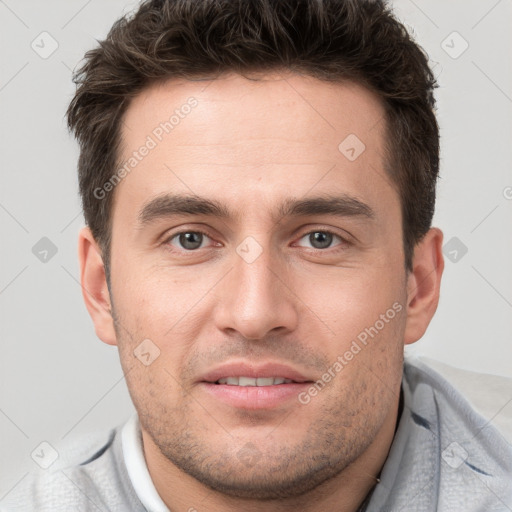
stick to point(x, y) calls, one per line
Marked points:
point(474, 457)
point(474, 398)
point(88, 475)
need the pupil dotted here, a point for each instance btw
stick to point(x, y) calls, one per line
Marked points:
point(188, 238)
point(322, 237)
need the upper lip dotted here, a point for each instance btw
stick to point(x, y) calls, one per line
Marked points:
point(255, 371)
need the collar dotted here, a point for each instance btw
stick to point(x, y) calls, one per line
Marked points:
point(137, 468)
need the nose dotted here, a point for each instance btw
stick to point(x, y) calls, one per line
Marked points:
point(257, 295)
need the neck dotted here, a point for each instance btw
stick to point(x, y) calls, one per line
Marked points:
point(343, 493)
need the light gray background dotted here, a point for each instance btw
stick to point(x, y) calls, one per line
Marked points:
point(57, 379)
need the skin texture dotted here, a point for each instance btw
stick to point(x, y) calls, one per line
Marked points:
point(251, 145)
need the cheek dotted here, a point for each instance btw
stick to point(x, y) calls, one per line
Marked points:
point(354, 299)
point(365, 314)
point(149, 298)
point(159, 314)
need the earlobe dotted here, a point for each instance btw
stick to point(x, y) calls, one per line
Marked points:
point(94, 286)
point(423, 285)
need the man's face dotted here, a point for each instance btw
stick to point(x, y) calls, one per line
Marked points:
point(259, 294)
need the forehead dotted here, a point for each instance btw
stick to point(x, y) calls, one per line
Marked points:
point(230, 136)
point(320, 105)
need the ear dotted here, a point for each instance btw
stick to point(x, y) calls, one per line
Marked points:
point(94, 286)
point(423, 284)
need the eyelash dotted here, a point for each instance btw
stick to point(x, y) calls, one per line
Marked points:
point(344, 242)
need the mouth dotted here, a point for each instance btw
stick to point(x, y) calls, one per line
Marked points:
point(254, 381)
point(250, 374)
point(247, 386)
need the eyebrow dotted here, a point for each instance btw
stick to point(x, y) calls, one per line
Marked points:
point(169, 205)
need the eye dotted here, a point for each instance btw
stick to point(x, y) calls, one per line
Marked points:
point(188, 240)
point(193, 240)
point(322, 239)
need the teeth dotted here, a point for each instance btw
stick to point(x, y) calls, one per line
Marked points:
point(246, 381)
point(251, 381)
point(264, 381)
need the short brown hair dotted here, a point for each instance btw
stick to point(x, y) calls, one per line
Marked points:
point(332, 40)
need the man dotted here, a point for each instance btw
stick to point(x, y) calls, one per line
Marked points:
point(258, 182)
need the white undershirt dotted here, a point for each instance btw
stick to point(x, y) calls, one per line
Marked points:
point(137, 468)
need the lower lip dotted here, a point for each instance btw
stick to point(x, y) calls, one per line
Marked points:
point(255, 397)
